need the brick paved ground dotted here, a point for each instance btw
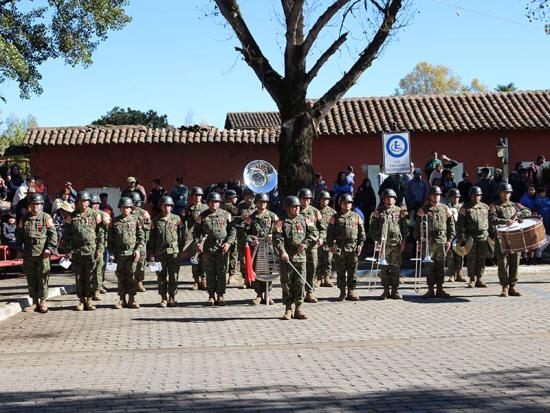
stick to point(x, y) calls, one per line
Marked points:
point(474, 352)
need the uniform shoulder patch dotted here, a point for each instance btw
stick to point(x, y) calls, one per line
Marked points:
point(331, 220)
point(98, 218)
point(49, 222)
point(376, 213)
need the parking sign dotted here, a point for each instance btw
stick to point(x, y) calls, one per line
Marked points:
point(397, 152)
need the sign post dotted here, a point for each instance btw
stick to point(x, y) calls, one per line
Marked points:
point(396, 147)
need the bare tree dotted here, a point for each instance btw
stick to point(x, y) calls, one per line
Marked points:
point(289, 90)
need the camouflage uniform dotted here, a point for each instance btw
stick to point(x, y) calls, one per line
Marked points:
point(346, 231)
point(125, 237)
point(508, 264)
point(145, 223)
point(85, 236)
point(473, 221)
point(288, 234)
point(324, 266)
point(244, 210)
point(34, 235)
point(397, 231)
point(441, 229)
point(454, 260)
point(216, 229)
point(260, 226)
point(165, 244)
point(233, 253)
point(313, 215)
point(100, 265)
point(190, 215)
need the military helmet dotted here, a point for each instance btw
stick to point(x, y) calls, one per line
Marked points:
point(248, 191)
point(261, 197)
point(324, 194)
point(435, 190)
point(345, 198)
point(230, 193)
point(389, 193)
point(83, 196)
point(505, 187)
point(213, 196)
point(166, 200)
point(136, 198)
point(197, 190)
point(36, 198)
point(454, 192)
point(291, 201)
point(125, 202)
point(305, 193)
point(95, 199)
point(475, 190)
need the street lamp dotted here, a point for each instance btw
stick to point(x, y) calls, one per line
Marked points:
point(502, 154)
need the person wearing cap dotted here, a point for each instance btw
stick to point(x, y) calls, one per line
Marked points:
point(132, 188)
point(312, 214)
point(324, 267)
point(190, 215)
point(127, 244)
point(345, 238)
point(454, 260)
point(245, 208)
point(473, 221)
point(102, 261)
point(506, 212)
point(230, 205)
point(145, 221)
point(440, 233)
point(85, 238)
point(165, 245)
point(389, 218)
point(259, 225)
point(291, 237)
point(36, 240)
point(213, 236)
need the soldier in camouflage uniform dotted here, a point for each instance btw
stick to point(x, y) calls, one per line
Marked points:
point(454, 260)
point(441, 231)
point(127, 244)
point(36, 239)
point(313, 215)
point(345, 236)
point(395, 218)
point(473, 221)
point(505, 212)
point(245, 208)
point(258, 225)
point(213, 235)
point(100, 265)
point(230, 206)
point(291, 238)
point(145, 221)
point(190, 215)
point(165, 245)
point(324, 266)
point(84, 235)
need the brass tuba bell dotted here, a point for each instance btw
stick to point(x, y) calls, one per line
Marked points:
point(260, 176)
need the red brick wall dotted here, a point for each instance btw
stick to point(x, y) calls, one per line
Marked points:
point(202, 164)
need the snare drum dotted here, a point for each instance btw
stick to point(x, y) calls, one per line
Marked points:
point(522, 236)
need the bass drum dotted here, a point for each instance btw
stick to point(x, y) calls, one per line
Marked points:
point(522, 236)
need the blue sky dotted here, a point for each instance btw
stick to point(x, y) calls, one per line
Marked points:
point(174, 59)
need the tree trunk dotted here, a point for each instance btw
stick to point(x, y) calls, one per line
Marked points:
point(295, 153)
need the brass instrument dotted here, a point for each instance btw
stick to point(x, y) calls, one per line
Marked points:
point(260, 176)
point(422, 255)
point(378, 257)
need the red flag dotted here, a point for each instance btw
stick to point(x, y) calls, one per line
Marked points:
point(250, 276)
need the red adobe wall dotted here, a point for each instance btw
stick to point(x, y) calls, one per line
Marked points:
point(203, 164)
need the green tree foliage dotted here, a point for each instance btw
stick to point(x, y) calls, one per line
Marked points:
point(14, 129)
point(426, 78)
point(30, 34)
point(119, 116)
point(510, 87)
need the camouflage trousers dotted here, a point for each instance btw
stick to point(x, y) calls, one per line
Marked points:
point(84, 267)
point(454, 262)
point(291, 283)
point(37, 271)
point(140, 268)
point(508, 266)
point(476, 259)
point(324, 263)
point(435, 271)
point(125, 274)
point(345, 265)
point(215, 268)
point(233, 258)
point(168, 277)
point(390, 273)
point(99, 270)
point(312, 261)
point(259, 286)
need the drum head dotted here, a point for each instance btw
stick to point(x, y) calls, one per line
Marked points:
point(519, 226)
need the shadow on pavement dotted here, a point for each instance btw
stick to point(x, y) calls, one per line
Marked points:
point(201, 319)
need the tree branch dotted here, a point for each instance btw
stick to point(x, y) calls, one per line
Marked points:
point(323, 105)
point(325, 56)
point(321, 22)
point(250, 50)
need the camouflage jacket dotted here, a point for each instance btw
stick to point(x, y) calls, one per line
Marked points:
point(313, 215)
point(34, 234)
point(500, 212)
point(346, 231)
point(126, 236)
point(441, 224)
point(395, 217)
point(290, 233)
point(473, 221)
point(260, 225)
point(84, 232)
point(166, 235)
point(213, 229)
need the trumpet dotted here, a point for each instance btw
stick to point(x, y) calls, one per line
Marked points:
point(378, 256)
point(195, 258)
point(422, 255)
